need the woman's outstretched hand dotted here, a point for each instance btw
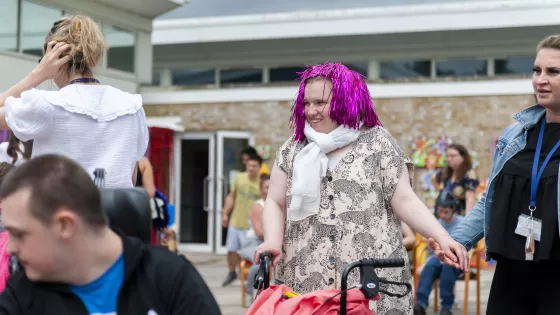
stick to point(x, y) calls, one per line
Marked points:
point(55, 57)
point(450, 252)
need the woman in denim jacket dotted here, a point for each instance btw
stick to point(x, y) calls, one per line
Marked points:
point(527, 251)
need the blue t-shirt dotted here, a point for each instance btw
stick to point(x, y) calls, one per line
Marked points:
point(100, 296)
point(449, 227)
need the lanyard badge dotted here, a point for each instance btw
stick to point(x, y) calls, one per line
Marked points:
point(529, 226)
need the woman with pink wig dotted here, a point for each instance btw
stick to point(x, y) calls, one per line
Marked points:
point(338, 190)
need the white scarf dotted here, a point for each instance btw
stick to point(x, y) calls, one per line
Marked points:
point(310, 166)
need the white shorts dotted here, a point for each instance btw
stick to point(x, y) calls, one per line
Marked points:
point(235, 239)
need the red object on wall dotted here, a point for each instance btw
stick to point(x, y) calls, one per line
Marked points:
point(160, 152)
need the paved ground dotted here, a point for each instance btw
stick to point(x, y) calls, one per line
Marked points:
point(213, 270)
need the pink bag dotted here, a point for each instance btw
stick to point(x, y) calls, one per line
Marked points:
point(270, 302)
point(4, 260)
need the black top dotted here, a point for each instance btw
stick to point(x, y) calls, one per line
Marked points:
point(138, 177)
point(155, 279)
point(512, 196)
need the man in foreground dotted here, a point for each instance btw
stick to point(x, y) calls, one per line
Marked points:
point(74, 263)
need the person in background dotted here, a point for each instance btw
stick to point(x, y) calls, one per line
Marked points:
point(93, 123)
point(447, 206)
point(458, 177)
point(251, 151)
point(145, 176)
point(15, 151)
point(145, 179)
point(5, 168)
point(244, 191)
point(409, 238)
point(246, 153)
point(254, 237)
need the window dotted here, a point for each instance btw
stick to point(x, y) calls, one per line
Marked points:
point(9, 25)
point(36, 22)
point(464, 67)
point(285, 74)
point(404, 69)
point(156, 77)
point(514, 65)
point(241, 75)
point(360, 67)
point(194, 76)
point(120, 54)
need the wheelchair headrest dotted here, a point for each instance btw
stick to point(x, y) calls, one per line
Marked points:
point(129, 210)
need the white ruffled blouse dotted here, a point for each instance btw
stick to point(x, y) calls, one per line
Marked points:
point(98, 126)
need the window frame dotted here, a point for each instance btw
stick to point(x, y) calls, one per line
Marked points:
point(103, 23)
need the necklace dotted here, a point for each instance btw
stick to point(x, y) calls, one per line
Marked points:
point(84, 80)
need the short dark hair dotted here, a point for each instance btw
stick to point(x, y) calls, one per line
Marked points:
point(249, 151)
point(264, 178)
point(56, 181)
point(255, 157)
point(447, 199)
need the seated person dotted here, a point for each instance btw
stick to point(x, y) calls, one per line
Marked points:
point(409, 238)
point(447, 206)
point(254, 237)
point(74, 263)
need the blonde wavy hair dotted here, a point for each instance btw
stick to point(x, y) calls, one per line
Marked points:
point(551, 41)
point(85, 39)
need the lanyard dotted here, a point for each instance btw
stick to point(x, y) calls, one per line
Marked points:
point(536, 177)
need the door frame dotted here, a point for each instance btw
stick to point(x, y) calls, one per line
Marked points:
point(220, 181)
point(210, 209)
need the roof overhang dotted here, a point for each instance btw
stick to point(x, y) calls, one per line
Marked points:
point(362, 21)
point(136, 15)
point(174, 123)
point(145, 8)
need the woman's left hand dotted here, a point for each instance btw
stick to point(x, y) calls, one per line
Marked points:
point(55, 57)
point(450, 252)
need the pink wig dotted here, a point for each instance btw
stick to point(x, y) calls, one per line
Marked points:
point(350, 104)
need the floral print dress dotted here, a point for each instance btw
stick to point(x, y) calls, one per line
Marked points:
point(469, 182)
point(355, 221)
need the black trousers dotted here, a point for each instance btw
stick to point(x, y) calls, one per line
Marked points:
point(525, 288)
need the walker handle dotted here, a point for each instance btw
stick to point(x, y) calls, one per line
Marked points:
point(262, 279)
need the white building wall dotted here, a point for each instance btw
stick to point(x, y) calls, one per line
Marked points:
point(143, 53)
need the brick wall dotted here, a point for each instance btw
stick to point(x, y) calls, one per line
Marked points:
point(472, 121)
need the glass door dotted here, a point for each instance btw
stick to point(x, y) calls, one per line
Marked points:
point(229, 145)
point(194, 156)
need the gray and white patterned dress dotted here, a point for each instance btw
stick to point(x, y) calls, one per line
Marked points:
point(355, 220)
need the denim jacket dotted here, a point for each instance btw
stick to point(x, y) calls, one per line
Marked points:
point(513, 139)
